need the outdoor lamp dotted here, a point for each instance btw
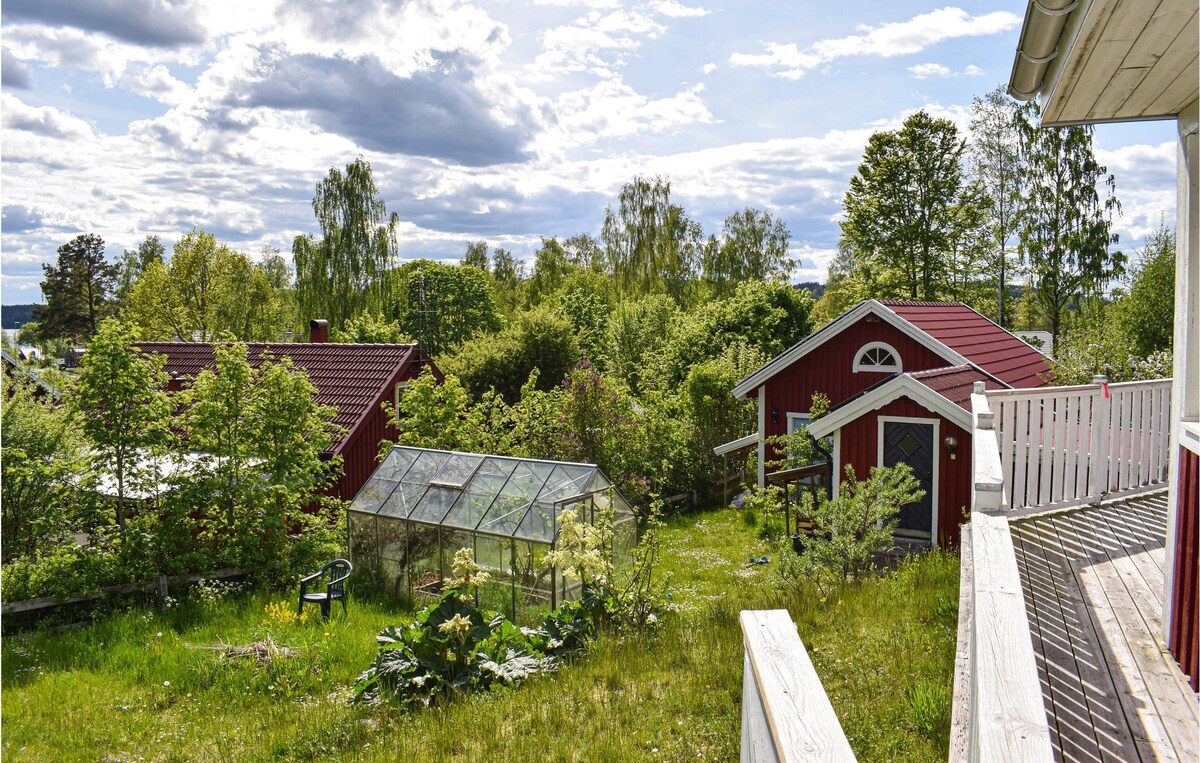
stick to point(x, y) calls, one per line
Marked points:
point(951, 444)
point(775, 415)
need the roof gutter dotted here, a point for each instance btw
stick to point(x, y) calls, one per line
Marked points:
point(1039, 45)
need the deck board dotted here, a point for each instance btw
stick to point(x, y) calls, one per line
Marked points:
point(1093, 589)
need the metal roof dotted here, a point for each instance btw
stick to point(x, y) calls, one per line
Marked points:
point(495, 495)
point(351, 377)
point(978, 339)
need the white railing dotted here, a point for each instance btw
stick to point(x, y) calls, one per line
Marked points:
point(1067, 446)
point(786, 715)
point(1005, 715)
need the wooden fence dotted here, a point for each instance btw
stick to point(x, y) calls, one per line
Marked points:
point(1068, 446)
point(786, 715)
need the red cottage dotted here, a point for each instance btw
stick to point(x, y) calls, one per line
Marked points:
point(355, 378)
point(899, 377)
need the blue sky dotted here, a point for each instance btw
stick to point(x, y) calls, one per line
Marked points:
point(494, 120)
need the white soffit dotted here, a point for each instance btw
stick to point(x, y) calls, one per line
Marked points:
point(1114, 61)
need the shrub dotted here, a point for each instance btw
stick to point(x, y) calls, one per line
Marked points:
point(851, 529)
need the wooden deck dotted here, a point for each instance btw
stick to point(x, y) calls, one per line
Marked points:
point(1093, 580)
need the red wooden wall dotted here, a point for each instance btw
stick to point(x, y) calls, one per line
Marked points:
point(1184, 641)
point(860, 448)
point(362, 445)
point(828, 369)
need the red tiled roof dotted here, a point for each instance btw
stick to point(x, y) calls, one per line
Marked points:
point(351, 377)
point(955, 383)
point(977, 339)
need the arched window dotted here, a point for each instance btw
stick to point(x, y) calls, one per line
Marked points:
point(879, 357)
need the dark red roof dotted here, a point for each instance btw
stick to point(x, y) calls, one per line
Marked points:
point(977, 339)
point(955, 383)
point(351, 377)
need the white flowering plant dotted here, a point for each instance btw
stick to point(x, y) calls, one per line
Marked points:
point(453, 646)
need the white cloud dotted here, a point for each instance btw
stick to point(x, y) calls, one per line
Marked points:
point(921, 71)
point(154, 82)
point(925, 71)
point(888, 40)
point(675, 9)
point(45, 121)
point(613, 109)
point(708, 68)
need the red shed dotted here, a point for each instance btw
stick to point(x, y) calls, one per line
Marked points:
point(355, 378)
point(899, 377)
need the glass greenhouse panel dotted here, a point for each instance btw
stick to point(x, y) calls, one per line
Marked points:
point(539, 523)
point(372, 495)
point(396, 464)
point(457, 470)
point(434, 504)
point(403, 500)
point(425, 466)
point(566, 481)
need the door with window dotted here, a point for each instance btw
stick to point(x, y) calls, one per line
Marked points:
point(909, 441)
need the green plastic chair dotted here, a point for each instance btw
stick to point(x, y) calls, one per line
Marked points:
point(335, 590)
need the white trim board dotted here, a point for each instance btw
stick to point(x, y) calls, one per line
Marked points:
point(835, 327)
point(900, 386)
point(936, 457)
point(738, 444)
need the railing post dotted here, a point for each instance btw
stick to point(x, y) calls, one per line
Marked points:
point(987, 484)
point(1100, 457)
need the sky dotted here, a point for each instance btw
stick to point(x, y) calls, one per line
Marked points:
point(491, 120)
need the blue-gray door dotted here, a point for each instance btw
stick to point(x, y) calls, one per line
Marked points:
point(911, 443)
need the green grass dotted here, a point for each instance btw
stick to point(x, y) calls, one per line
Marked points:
point(118, 691)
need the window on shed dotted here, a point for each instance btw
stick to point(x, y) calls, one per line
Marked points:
point(877, 356)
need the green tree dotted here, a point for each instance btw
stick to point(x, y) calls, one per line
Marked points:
point(507, 274)
point(433, 413)
point(538, 339)
point(347, 271)
point(134, 262)
point(207, 290)
point(635, 331)
point(1148, 313)
point(42, 459)
point(768, 317)
point(123, 409)
point(753, 247)
point(78, 290)
point(371, 329)
point(1066, 230)
point(477, 255)
point(650, 244)
point(997, 165)
point(443, 306)
point(901, 208)
point(551, 266)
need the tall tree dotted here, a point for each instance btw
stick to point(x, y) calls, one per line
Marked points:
point(442, 306)
point(997, 166)
point(122, 407)
point(901, 208)
point(477, 255)
point(651, 244)
point(1066, 230)
point(207, 291)
point(753, 247)
point(1148, 311)
point(134, 262)
point(78, 290)
point(347, 271)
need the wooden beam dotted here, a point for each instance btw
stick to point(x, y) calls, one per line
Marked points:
point(781, 686)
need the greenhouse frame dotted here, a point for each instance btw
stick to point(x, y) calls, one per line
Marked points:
point(421, 506)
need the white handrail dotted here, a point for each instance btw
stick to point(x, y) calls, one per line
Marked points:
point(786, 715)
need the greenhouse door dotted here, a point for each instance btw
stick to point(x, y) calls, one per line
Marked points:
point(911, 441)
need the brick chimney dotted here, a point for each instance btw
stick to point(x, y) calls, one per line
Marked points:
point(318, 331)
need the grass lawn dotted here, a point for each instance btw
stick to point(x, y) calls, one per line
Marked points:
point(141, 685)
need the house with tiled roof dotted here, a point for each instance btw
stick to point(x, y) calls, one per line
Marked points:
point(356, 379)
point(899, 377)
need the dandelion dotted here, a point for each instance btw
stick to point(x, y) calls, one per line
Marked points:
point(166, 683)
point(158, 635)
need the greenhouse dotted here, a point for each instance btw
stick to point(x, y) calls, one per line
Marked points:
point(421, 506)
